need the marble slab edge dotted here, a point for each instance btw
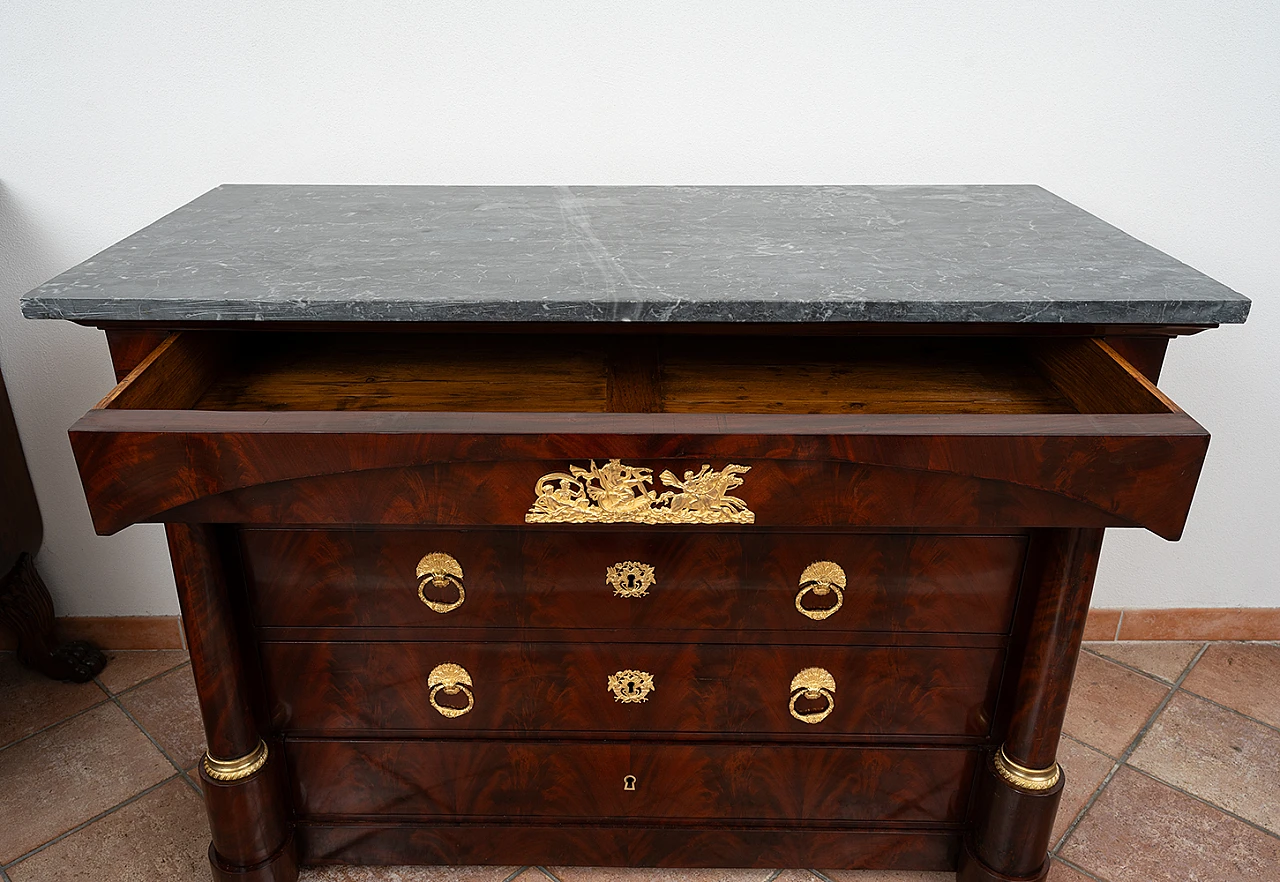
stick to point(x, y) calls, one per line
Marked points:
point(1088, 312)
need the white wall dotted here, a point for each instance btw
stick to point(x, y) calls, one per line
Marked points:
point(1161, 117)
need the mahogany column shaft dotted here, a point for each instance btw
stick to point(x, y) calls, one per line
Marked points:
point(216, 660)
point(1053, 645)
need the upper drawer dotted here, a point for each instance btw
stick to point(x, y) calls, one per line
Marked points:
point(325, 428)
point(646, 579)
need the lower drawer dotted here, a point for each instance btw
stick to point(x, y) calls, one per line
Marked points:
point(470, 780)
point(627, 843)
point(511, 688)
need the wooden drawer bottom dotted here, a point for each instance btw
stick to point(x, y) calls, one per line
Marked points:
point(624, 845)
point(548, 781)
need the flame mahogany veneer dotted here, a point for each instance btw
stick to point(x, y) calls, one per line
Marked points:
point(961, 481)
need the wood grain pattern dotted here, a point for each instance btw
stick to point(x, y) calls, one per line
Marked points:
point(1146, 353)
point(627, 845)
point(263, 797)
point(171, 376)
point(705, 581)
point(634, 377)
point(825, 375)
point(311, 372)
point(1061, 587)
point(129, 346)
point(1009, 840)
point(655, 374)
point(584, 782)
point(963, 471)
point(635, 374)
point(249, 819)
point(213, 639)
point(1096, 378)
point(342, 458)
point(541, 688)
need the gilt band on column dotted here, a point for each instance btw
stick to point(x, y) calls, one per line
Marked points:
point(1023, 777)
point(239, 768)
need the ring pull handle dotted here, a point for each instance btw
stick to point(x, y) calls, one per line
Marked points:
point(820, 579)
point(450, 679)
point(441, 572)
point(630, 578)
point(812, 684)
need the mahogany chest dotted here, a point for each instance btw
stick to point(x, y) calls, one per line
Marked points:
point(508, 543)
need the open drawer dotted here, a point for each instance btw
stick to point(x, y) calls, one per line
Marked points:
point(749, 432)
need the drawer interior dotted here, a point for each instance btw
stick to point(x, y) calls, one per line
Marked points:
point(275, 371)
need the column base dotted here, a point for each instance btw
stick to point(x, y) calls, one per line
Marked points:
point(1011, 823)
point(972, 869)
point(280, 867)
point(249, 818)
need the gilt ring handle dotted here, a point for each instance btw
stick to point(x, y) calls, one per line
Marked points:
point(821, 578)
point(440, 570)
point(450, 679)
point(812, 684)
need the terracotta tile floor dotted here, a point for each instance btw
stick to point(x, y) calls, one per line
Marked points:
point(1172, 754)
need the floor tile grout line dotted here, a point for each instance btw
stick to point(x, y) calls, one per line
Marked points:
point(1114, 759)
point(4, 877)
point(164, 753)
point(1128, 667)
point(518, 871)
point(1086, 744)
point(106, 697)
point(141, 683)
point(1084, 809)
point(550, 875)
point(1133, 747)
point(78, 827)
point(1123, 759)
point(823, 876)
point(1233, 710)
point(1089, 874)
point(774, 875)
point(1200, 799)
point(1119, 624)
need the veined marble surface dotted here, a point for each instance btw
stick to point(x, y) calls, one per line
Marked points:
point(641, 254)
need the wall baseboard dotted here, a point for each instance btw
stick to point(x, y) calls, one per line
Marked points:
point(116, 632)
point(1244, 623)
point(1240, 623)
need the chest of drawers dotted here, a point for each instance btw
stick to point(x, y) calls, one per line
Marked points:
point(675, 594)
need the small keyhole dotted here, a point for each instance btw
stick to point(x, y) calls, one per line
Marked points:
point(631, 581)
point(629, 782)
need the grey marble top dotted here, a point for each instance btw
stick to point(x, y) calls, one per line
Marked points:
point(643, 254)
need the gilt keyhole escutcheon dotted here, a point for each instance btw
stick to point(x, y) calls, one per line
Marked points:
point(630, 578)
point(631, 687)
point(629, 782)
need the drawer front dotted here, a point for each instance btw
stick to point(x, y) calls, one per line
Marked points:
point(639, 782)
point(625, 843)
point(633, 579)
point(522, 688)
point(882, 444)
